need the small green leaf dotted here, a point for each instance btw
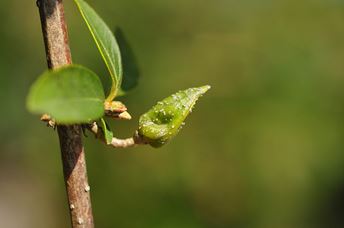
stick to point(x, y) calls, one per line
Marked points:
point(161, 123)
point(71, 94)
point(107, 133)
point(106, 44)
point(131, 72)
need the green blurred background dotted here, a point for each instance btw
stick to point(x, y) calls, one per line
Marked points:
point(263, 149)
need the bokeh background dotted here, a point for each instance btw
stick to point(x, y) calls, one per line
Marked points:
point(263, 149)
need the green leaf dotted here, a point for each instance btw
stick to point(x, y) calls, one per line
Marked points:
point(71, 94)
point(107, 133)
point(131, 72)
point(106, 44)
point(161, 123)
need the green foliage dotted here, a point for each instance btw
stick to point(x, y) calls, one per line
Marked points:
point(71, 94)
point(161, 123)
point(106, 44)
point(74, 94)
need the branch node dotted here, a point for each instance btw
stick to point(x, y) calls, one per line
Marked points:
point(116, 110)
point(80, 221)
point(50, 122)
point(87, 188)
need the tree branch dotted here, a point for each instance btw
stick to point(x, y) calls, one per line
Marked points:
point(73, 157)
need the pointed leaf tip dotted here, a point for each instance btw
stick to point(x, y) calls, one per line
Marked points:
point(164, 120)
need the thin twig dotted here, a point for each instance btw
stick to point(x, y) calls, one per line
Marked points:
point(73, 158)
point(116, 142)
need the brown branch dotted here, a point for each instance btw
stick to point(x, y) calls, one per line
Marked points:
point(73, 158)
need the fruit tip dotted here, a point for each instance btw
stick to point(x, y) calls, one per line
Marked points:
point(205, 88)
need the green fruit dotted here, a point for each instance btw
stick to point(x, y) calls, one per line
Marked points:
point(163, 121)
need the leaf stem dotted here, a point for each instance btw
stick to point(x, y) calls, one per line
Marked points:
point(116, 142)
point(58, 54)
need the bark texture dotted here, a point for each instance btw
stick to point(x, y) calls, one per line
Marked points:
point(58, 54)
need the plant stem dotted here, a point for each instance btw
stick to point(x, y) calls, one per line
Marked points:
point(116, 142)
point(73, 157)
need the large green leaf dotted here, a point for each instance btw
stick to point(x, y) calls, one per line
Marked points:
point(161, 123)
point(106, 44)
point(71, 94)
point(131, 72)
